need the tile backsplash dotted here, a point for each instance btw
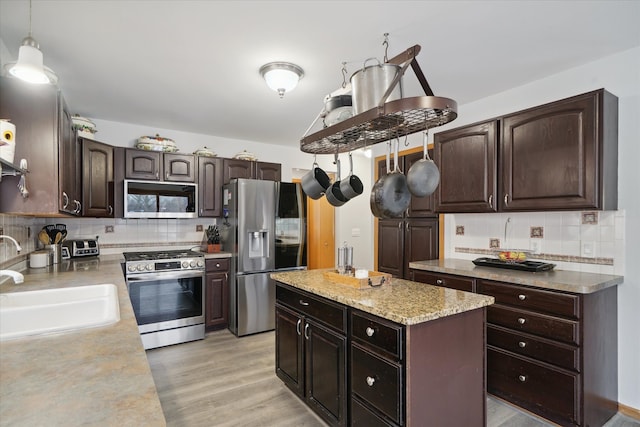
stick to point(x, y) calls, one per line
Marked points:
point(594, 245)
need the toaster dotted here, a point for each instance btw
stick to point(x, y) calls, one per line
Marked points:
point(75, 248)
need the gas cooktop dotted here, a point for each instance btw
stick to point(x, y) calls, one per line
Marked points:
point(158, 255)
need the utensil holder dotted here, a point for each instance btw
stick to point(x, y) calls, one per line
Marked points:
point(56, 253)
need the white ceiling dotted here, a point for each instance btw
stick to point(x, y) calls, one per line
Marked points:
point(193, 65)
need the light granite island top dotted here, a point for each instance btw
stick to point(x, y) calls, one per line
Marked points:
point(401, 301)
point(562, 280)
point(97, 376)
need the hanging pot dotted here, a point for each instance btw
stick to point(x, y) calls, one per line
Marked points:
point(371, 83)
point(351, 186)
point(315, 182)
point(390, 195)
point(423, 176)
point(334, 194)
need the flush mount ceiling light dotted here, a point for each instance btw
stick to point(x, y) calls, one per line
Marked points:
point(30, 67)
point(281, 76)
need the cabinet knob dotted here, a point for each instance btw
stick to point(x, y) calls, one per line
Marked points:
point(439, 282)
point(370, 331)
point(217, 265)
point(371, 381)
point(522, 297)
point(522, 344)
point(303, 302)
point(522, 378)
point(521, 320)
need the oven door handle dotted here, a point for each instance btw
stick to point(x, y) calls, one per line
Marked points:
point(145, 277)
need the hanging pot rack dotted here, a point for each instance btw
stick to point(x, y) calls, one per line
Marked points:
point(388, 120)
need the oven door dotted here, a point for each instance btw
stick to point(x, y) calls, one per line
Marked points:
point(167, 300)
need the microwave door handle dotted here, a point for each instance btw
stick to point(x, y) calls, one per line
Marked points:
point(165, 275)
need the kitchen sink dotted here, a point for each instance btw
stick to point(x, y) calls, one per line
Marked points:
point(32, 313)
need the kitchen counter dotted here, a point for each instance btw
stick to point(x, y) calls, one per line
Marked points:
point(561, 280)
point(98, 376)
point(214, 255)
point(401, 301)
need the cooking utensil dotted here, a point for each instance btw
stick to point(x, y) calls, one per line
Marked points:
point(423, 176)
point(334, 194)
point(351, 186)
point(370, 84)
point(43, 237)
point(390, 194)
point(58, 238)
point(376, 189)
point(337, 108)
point(315, 182)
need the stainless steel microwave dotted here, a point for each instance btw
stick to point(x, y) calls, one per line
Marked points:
point(158, 199)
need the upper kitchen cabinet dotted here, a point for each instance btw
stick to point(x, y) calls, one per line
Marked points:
point(237, 168)
point(38, 112)
point(157, 166)
point(209, 186)
point(562, 155)
point(97, 179)
point(467, 159)
point(558, 156)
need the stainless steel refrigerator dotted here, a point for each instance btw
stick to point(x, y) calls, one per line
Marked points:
point(250, 229)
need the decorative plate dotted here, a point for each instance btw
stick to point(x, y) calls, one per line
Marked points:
point(245, 155)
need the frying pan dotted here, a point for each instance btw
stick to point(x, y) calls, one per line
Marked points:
point(423, 176)
point(390, 196)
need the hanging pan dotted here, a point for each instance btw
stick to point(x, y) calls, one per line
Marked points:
point(390, 196)
point(423, 176)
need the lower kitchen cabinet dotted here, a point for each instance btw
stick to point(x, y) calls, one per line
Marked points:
point(443, 279)
point(553, 353)
point(216, 293)
point(394, 373)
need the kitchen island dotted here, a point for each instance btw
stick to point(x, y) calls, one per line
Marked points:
point(98, 376)
point(394, 355)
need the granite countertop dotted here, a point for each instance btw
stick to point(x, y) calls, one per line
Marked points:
point(400, 301)
point(98, 376)
point(561, 280)
point(214, 255)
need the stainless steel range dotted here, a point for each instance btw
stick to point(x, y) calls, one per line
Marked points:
point(167, 289)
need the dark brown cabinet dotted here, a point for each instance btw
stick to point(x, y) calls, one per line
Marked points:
point(156, 166)
point(414, 236)
point(209, 186)
point(558, 156)
point(311, 349)
point(69, 167)
point(553, 353)
point(237, 168)
point(216, 293)
point(443, 279)
point(97, 179)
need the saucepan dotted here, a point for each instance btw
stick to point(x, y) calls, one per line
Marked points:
point(351, 186)
point(315, 182)
point(423, 176)
point(334, 193)
point(390, 196)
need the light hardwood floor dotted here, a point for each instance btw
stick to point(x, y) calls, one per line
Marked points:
point(228, 381)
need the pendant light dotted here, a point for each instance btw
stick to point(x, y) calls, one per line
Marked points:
point(281, 76)
point(30, 67)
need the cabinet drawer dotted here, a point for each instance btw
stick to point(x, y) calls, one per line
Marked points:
point(361, 416)
point(549, 392)
point(563, 355)
point(323, 310)
point(554, 303)
point(537, 324)
point(217, 264)
point(377, 334)
point(378, 382)
point(445, 280)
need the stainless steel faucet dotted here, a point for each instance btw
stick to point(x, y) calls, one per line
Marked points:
point(17, 277)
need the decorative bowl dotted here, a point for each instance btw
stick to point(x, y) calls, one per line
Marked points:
point(156, 143)
point(245, 155)
point(84, 126)
point(205, 152)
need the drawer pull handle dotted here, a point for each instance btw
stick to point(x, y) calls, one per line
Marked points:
point(370, 331)
point(522, 378)
point(439, 282)
point(521, 320)
point(371, 381)
point(522, 297)
point(217, 265)
point(303, 302)
point(522, 344)
point(298, 323)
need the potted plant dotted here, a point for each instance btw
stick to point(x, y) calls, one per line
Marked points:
point(213, 239)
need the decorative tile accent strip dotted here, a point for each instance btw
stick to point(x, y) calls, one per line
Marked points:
point(537, 232)
point(589, 217)
point(459, 230)
point(494, 243)
point(546, 257)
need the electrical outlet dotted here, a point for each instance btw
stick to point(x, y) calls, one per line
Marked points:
point(355, 232)
point(588, 249)
point(535, 245)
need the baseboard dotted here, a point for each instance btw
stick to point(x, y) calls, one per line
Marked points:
point(629, 411)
